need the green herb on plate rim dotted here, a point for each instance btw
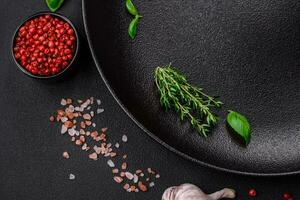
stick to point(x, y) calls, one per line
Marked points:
point(54, 5)
point(132, 29)
point(240, 125)
point(189, 101)
point(131, 8)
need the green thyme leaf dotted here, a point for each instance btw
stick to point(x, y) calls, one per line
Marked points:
point(132, 29)
point(54, 5)
point(131, 8)
point(240, 125)
point(189, 101)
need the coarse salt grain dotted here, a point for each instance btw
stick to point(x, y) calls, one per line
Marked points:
point(94, 134)
point(135, 178)
point(71, 176)
point(104, 129)
point(84, 147)
point(77, 108)
point(111, 163)
point(118, 179)
point(124, 165)
point(64, 129)
point(78, 142)
point(92, 113)
point(68, 124)
point(98, 102)
point(71, 108)
point(117, 145)
point(97, 149)
point(82, 138)
point(71, 132)
point(69, 101)
point(113, 154)
point(133, 188)
point(63, 102)
point(100, 110)
point(64, 119)
point(129, 175)
point(66, 155)
point(126, 186)
point(151, 184)
point(142, 187)
point(124, 138)
point(93, 156)
point(86, 116)
point(88, 123)
point(81, 132)
point(77, 133)
point(122, 174)
point(157, 176)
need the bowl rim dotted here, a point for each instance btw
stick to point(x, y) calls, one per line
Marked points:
point(58, 15)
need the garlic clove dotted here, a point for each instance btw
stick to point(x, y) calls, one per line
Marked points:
point(224, 193)
point(191, 192)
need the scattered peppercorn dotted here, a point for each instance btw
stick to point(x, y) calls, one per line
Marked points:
point(45, 45)
point(286, 196)
point(252, 192)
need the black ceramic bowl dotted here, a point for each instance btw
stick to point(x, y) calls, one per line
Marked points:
point(61, 17)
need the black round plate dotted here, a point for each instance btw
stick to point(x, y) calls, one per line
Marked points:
point(246, 52)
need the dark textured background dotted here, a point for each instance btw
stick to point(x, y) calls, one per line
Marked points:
point(31, 165)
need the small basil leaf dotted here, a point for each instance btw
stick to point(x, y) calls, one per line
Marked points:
point(133, 27)
point(240, 125)
point(54, 5)
point(131, 8)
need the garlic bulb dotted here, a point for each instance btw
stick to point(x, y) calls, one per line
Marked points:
point(191, 192)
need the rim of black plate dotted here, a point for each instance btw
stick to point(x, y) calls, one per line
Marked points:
point(149, 133)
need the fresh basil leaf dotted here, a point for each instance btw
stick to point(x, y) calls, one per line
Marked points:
point(131, 8)
point(132, 29)
point(240, 125)
point(54, 5)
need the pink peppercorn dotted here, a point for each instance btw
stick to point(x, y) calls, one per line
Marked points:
point(45, 45)
point(252, 192)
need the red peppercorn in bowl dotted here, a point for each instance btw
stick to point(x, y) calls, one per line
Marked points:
point(45, 45)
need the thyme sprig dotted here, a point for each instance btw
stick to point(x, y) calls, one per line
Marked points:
point(187, 100)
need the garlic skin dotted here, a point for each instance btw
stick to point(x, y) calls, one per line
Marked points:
point(191, 192)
